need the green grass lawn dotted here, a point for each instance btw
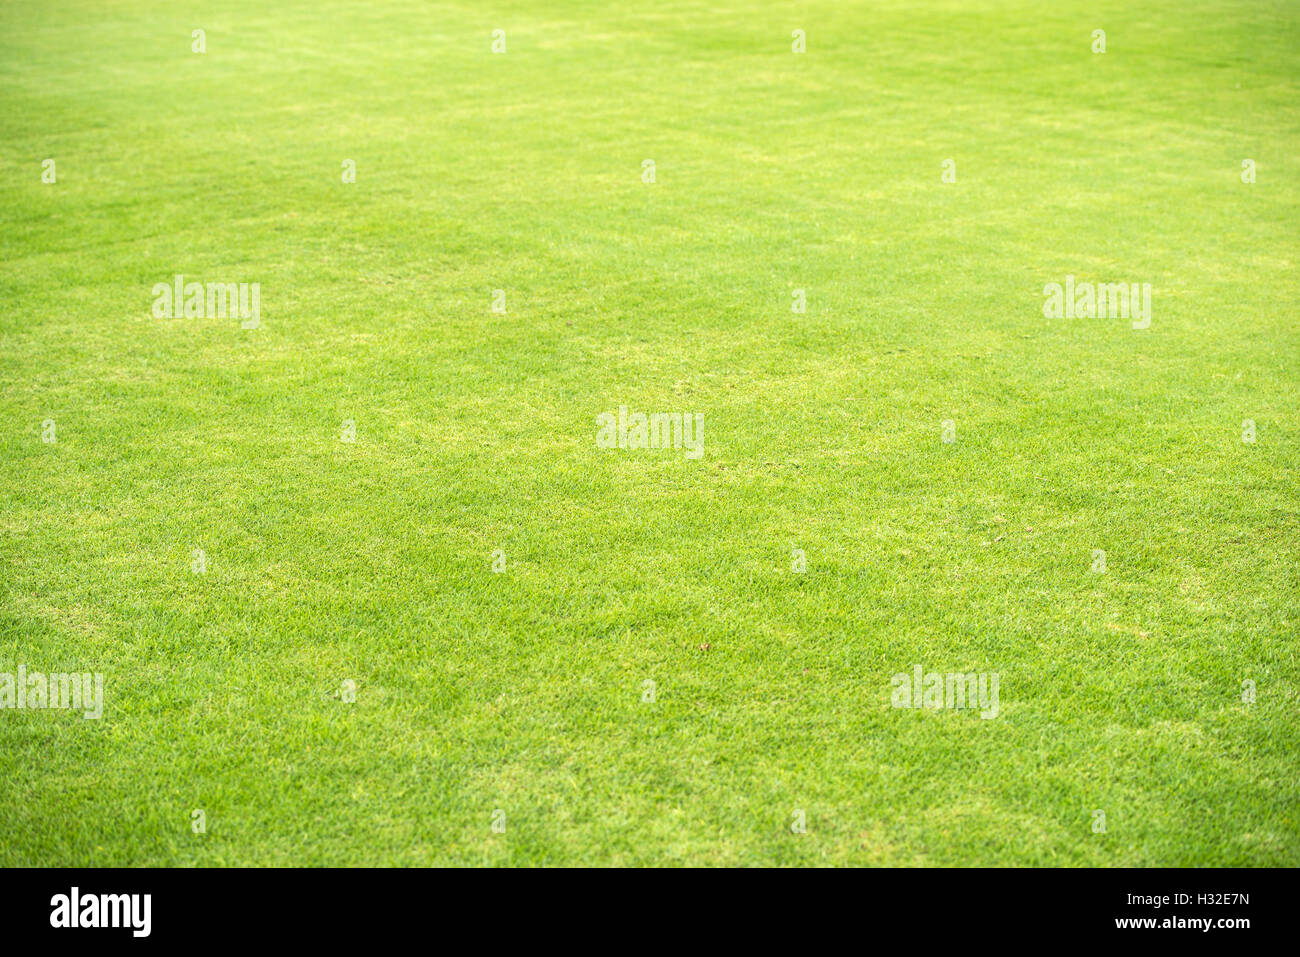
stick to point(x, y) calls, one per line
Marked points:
point(523, 690)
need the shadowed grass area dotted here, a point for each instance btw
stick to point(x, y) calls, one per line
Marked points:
point(475, 432)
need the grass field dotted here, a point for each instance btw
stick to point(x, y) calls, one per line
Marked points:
point(520, 696)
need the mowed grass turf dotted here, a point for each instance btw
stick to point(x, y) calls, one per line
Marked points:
point(522, 691)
